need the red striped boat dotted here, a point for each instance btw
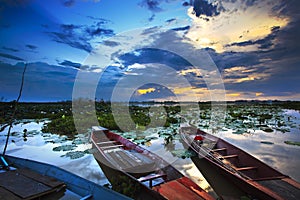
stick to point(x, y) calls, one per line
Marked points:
point(249, 174)
point(140, 173)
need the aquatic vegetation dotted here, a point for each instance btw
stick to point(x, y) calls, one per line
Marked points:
point(125, 185)
point(292, 143)
point(241, 118)
point(74, 154)
point(64, 148)
point(183, 153)
point(61, 126)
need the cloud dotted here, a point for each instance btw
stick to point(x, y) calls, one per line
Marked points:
point(153, 92)
point(10, 49)
point(80, 36)
point(152, 5)
point(135, 66)
point(202, 7)
point(185, 28)
point(94, 31)
point(236, 23)
point(4, 55)
point(70, 64)
point(264, 43)
point(43, 82)
point(153, 56)
point(68, 3)
point(31, 47)
point(110, 43)
point(247, 74)
point(171, 20)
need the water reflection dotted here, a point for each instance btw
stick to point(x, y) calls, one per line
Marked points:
point(54, 149)
point(39, 146)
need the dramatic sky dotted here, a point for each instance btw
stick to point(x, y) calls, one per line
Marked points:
point(158, 50)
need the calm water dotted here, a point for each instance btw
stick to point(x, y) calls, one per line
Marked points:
point(70, 155)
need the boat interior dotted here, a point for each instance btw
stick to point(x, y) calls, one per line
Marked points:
point(146, 167)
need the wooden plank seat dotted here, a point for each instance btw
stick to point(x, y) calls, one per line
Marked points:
point(152, 177)
point(130, 161)
point(112, 146)
point(106, 142)
point(246, 168)
point(220, 149)
point(230, 156)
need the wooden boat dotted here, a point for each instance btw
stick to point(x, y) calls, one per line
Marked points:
point(138, 172)
point(246, 172)
point(27, 179)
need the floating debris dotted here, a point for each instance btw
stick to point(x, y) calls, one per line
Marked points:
point(266, 142)
point(268, 130)
point(292, 143)
point(239, 132)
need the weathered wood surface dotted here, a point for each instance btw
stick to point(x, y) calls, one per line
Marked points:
point(181, 189)
point(25, 184)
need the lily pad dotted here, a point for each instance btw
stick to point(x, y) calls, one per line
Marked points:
point(239, 132)
point(183, 153)
point(64, 148)
point(74, 154)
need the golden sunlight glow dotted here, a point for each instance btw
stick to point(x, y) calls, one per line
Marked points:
point(239, 69)
point(197, 72)
point(179, 90)
point(258, 94)
point(239, 24)
point(243, 74)
point(145, 91)
point(249, 78)
point(233, 94)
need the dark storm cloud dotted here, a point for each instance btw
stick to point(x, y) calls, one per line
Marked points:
point(79, 36)
point(4, 55)
point(200, 7)
point(10, 49)
point(70, 64)
point(31, 47)
point(152, 5)
point(250, 2)
point(170, 20)
point(97, 31)
point(68, 3)
point(203, 7)
point(185, 28)
point(72, 41)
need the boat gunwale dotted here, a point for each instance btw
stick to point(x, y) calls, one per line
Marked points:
point(238, 179)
